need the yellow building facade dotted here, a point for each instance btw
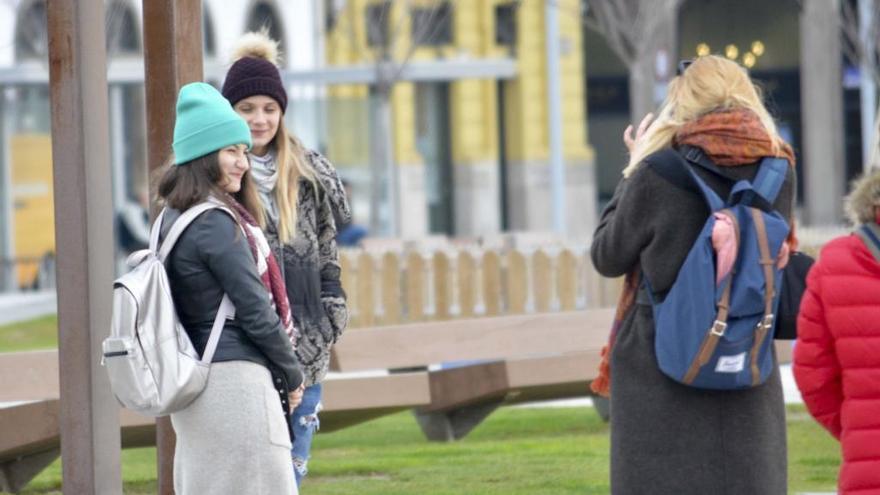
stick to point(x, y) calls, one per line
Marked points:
point(471, 153)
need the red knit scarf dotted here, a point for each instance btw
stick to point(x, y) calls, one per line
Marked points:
point(730, 138)
point(270, 273)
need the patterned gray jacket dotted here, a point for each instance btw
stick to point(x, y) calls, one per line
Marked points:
point(310, 263)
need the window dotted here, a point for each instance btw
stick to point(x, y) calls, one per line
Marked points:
point(378, 15)
point(264, 16)
point(208, 45)
point(432, 26)
point(31, 36)
point(505, 24)
point(121, 30)
point(331, 14)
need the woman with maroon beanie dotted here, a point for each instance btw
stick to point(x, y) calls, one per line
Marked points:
point(302, 197)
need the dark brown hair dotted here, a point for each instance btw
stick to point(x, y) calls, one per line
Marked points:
point(185, 185)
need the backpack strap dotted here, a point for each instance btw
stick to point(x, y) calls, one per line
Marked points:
point(226, 309)
point(870, 235)
point(767, 263)
point(719, 326)
point(669, 164)
point(697, 156)
point(178, 227)
point(767, 182)
point(771, 176)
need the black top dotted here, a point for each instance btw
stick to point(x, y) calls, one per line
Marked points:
point(212, 257)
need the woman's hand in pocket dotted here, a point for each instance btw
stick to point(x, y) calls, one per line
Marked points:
point(295, 397)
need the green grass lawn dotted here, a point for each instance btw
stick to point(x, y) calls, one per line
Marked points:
point(514, 452)
point(41, 333)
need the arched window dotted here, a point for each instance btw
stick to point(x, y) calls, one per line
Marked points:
point(262, 15)
point(121, 28)
point(31, 36)
point(209, 45)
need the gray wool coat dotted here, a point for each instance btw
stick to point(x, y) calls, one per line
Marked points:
point(310, 264)
point(667, 438)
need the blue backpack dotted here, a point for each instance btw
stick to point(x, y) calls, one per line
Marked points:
point(720, 336)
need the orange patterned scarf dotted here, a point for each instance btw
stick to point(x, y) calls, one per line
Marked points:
point(730, 138)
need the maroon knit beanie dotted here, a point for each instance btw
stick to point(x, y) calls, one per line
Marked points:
point(251, 76)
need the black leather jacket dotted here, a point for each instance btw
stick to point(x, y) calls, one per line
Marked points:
point(212, 257)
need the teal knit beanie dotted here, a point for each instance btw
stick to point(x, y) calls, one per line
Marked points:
point(205, 123)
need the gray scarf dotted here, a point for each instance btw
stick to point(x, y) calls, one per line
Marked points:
point(265, 174)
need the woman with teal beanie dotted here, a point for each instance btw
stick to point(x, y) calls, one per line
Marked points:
point(234, 437)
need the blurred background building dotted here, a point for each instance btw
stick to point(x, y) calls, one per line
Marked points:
point(457, 117)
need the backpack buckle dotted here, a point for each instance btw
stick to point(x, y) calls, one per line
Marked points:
point(766, 322)
point(718, 328)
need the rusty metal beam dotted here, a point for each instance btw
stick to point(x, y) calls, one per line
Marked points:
point(89, 416)
point(172, 58)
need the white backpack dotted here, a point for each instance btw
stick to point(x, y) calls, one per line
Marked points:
point(154, 368)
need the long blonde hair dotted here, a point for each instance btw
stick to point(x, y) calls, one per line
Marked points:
point(292, 164)
point(290, 154)
point(709, 84)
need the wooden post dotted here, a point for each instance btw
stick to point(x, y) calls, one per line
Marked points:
point(467, 290)
point(365, 284)
point(349, 285)
point(442, 287)
point(566, 280)
point(172, 58)
point(89, 416)
point(415, 287)
point(541, 281)
point(491, 267)
point(391, 305)
point(517, 283)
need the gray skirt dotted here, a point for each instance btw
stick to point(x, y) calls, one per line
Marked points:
point(233, 438)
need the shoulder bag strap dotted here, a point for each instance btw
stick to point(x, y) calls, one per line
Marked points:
point(870, 235)
point(226, 308)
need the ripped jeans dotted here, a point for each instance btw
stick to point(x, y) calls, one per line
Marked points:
point(305, 423)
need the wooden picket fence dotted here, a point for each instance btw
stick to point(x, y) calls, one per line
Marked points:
point(388, 288)
point(393, 282)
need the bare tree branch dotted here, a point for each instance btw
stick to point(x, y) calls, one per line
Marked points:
point(854, 45)
point(629, 26)
point(427, 32)
point(394, 37)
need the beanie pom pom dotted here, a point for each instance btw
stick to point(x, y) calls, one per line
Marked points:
point(257, 44)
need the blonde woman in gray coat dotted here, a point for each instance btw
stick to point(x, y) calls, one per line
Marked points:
point(301, 194)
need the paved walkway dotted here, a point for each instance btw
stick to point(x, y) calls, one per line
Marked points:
point(21, 306)
point(789, 390)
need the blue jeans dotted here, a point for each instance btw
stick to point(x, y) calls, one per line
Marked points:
point(305, 423)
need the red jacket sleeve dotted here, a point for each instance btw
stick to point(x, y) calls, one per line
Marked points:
point(816, 368)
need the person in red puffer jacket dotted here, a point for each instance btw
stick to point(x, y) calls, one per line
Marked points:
point(837, 355)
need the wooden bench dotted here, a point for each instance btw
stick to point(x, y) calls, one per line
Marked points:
point(494, 361)
point(452, 373)
point(29, 413)
point(476, 365)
